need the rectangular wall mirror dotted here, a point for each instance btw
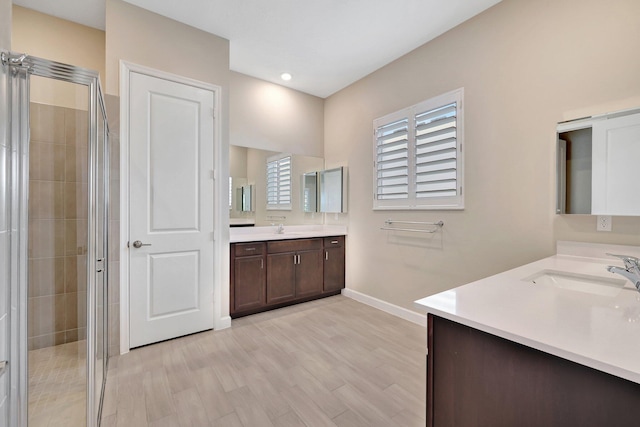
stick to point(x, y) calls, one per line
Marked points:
point(249, 166)
point(574, 171)
point(246, 198)
point(333, 190)
point(597, 164)
point(310, 192)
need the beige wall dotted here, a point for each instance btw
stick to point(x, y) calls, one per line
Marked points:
point(5, 24)
point(238, 161)
point(146, 38)
point(63, 41)
point(59, 40)
point(271, 117)
point(524, 66)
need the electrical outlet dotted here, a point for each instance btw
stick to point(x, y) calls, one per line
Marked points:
point(604, 223)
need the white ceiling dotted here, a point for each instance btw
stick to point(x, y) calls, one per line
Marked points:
point(325, 44)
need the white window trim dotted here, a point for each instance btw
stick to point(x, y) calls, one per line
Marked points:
point(413, 203)
point(281, 207)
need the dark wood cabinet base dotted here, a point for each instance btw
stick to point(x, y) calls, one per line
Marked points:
point(478, 379)
point(275, 274)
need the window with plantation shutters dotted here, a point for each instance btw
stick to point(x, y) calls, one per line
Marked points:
point(279, 183)
point(418, 162)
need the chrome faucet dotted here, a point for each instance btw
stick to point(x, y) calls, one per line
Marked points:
point(280, 229)
point(631, 269)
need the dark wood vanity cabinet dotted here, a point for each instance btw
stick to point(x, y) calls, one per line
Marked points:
point(333, 264)
point(248, 275)
point(478, 379)
point(294, 269)
point(267, 275)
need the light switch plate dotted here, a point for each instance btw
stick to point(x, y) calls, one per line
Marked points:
point(604, 223)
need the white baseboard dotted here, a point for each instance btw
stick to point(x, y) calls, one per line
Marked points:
point(222, 323)
point(401, 312)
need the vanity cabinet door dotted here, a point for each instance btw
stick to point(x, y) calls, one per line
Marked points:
point(616, 150)
point(309, 273)
point(334, 254)
point(248, 277)
point(281, 277)
point(478, 379)
point(250, 281)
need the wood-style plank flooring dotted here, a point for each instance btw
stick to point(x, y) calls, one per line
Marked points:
point(329, 362)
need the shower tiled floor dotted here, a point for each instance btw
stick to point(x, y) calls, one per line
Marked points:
point(57, 385)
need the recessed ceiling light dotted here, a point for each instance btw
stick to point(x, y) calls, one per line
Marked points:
point(286, 76)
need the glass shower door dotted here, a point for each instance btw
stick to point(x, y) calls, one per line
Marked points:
point(58, 224)
point(101, 191)
point(59, 167)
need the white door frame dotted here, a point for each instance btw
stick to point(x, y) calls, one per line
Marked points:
point(221, 318)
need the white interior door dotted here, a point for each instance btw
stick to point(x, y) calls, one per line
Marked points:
point(171, 209)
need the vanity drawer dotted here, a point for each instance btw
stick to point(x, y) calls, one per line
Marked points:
point(249, 249)
point(294, 245)
point(335, 241)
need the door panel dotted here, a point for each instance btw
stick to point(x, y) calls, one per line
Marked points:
point(173, 146)
point(171, 209)
point(249, 282)
point(334, 269)
point(167, 270)
point(309, 274)
point(281, 277)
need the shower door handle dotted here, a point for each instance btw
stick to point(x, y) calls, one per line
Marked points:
point(138, 244)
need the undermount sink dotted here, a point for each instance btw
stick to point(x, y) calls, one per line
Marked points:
point(578, 282)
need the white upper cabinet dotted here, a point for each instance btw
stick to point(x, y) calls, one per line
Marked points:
point(616, 166)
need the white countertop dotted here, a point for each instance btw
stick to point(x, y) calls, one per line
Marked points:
point(602, 332)
point(258, 234)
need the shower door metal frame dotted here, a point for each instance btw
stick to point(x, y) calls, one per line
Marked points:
point(20, 67)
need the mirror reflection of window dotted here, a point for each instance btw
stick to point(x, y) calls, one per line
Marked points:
point(279, 183)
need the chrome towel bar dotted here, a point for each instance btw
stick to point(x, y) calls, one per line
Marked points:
point(276, 217)
point(390, 221)
point(437, 225)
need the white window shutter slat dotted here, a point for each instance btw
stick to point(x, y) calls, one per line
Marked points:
point(418, 156)
point(279, 183)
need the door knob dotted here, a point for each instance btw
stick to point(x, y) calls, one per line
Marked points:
point(138, 244)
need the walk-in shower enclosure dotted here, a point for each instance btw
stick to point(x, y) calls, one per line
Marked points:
point(58, 252)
